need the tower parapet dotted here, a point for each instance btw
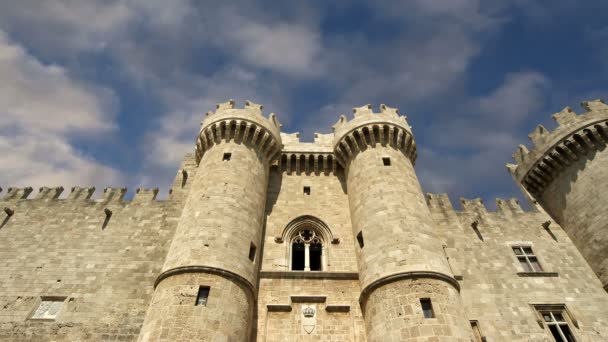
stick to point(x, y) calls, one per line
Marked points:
point(575, 136)
point(368, 129)
point(400, 259)
point(246, 125)
point(565, 173)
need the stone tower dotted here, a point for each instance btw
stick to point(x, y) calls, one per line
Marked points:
point(218, 236)
point(565, 173)
point(400, 258)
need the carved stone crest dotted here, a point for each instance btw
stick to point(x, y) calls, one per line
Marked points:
point(309, 318)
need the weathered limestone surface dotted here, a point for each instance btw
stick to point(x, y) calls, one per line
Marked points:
point(494, 291)
point(60, 247)
point(220, 230)
point(131, 270)
point(566, 172)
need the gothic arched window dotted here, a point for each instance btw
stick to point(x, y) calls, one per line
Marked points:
point(307, 244)
point(306, 251)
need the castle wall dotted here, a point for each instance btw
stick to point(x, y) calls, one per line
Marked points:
point(494, 289)
point(58, 248)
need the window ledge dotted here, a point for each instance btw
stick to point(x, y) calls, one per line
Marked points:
point(538, 274)
point(309, 275)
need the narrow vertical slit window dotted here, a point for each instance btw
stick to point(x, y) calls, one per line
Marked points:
point(475, 227)
point(386, 161)
point(360, 240)
point(227, 156)
point(478, 337)
point(307, 190)
point(427, 308)
point(252, 251)
point(184, 177)
point(202, 296)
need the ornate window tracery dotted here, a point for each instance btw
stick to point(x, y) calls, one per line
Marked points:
point(307, 244)
point(307, 251)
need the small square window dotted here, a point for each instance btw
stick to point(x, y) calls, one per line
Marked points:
point(48, 308)
point(427, 308)
point(203, 295)
point(252, 250)
point(227, 156)
point(307, 190)
point(386, 161)
point(527, 259)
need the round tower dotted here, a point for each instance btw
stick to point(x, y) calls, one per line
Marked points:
point(565, 172)
point(206, 290)
point(407, 288)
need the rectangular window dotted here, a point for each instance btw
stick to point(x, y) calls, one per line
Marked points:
point(386, 161)
point(306, 190)
point(48, 308)
point(527, 259)
point(252, 250)
point(427, 308)
point(203, 295)
point(554, 316)
point(227, 156)
point(360, 239)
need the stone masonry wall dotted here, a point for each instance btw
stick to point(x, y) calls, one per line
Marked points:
point(57, 247)
point(494, 289)
point(577, 198)
point(329, 203)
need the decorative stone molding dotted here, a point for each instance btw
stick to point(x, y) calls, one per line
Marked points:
point(206, 269)
point(247, 126)
point(305, 222)
point(406, 275)
point(309, 275)
point(576, 136)
point(308, 163)
point(367, 129)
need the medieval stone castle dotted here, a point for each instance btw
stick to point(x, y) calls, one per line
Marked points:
point(266, 238)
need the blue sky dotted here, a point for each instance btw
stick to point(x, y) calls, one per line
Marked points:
point(111, 93)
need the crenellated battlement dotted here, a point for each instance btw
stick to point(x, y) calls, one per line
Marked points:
point(367, 129)
point(476, 206)
point(81, 194)
point(576, 135)
point(243, 125)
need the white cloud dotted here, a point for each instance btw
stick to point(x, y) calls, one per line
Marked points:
point(282, 47)
point(41, 107)
point(518, 97)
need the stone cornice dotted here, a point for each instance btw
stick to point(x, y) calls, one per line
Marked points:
point(575, 137)
point(368, 129)
point(206, 269)
point(309, 275)
point(246, 125)
point(406, 275)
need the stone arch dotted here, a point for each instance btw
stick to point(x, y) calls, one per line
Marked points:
point(323, 237)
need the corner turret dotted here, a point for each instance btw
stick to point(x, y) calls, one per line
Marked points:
point(565, 174)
